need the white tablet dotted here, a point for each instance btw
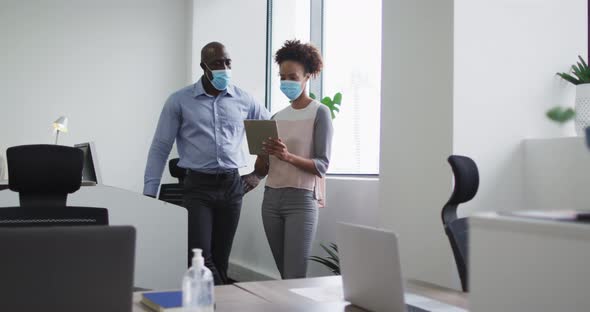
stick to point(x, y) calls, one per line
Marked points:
point(258, 131)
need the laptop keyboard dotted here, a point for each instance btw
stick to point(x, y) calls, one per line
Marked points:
point(411, 308)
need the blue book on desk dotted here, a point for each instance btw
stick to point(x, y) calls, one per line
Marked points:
point(163, 301)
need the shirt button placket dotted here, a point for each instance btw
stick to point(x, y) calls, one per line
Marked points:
point(217, 130)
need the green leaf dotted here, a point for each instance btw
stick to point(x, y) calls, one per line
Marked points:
point(569, 78)
point(578, 73)
point(583, 75)
point(330, 265)
point(560, 114)
point(338, 98)
point(311, 95)
point(330, 252)
point(332, 262)
point(332, 104)
point(584, 65)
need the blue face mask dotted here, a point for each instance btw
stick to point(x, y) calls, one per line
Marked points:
point(221, 78)
point(291, 88)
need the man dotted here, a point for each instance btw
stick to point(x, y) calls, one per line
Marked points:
point(206, 119)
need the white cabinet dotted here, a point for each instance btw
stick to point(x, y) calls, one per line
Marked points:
point(528, 265)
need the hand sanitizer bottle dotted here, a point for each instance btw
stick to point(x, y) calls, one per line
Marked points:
point(197, 286)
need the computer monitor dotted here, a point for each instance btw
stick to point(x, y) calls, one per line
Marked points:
point(90, 171)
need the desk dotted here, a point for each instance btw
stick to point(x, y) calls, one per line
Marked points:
point(525, 264)
point(160, 252)
point(280, 292)
point(230, 298)
point(227, 296)
point(277, 296)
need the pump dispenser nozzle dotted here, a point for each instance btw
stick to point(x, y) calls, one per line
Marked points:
point(198, 260)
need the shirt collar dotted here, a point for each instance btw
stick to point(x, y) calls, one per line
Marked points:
point(200, 90)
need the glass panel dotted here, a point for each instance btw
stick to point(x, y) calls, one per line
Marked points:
point(291, 20)
point(352, 57)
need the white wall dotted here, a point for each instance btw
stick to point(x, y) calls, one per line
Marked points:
point(108, 65)
point(417, 132)
point(506, 55)
point(241, 27)
point(557, 180)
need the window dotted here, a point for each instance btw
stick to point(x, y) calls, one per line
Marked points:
point(352, 55)
point(349, 35)
point(290, 21)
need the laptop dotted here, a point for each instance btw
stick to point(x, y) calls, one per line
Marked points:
point(67, 269)
point(370, 268)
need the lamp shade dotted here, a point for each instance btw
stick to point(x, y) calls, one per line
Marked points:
point(61, 124)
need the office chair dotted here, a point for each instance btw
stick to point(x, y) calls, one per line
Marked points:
point(457, 229)
point(173, 192)
point(44, 175)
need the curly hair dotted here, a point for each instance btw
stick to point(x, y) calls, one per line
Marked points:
point(303, 53)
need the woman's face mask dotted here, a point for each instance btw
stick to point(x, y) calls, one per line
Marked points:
point(293, 88)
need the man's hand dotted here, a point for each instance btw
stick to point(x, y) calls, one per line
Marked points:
point(250, 181)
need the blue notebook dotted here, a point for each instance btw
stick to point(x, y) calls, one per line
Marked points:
point(162, 301)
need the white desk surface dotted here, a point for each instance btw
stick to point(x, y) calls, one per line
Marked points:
point(161, 245)
point(280, 291)
point(231, 298)
point(527, 264)
point(277, 296)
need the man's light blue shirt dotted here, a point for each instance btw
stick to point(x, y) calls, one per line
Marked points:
point(208, 131)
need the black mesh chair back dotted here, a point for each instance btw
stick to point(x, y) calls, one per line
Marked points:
point(44, 175)
point(52, 216)
point(173, 192)
point(457, 229)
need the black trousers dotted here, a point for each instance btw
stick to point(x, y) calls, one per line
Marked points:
point(213, 202)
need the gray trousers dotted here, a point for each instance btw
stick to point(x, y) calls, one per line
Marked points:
point(290, 218)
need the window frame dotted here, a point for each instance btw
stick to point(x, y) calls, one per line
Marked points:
point(316, 85)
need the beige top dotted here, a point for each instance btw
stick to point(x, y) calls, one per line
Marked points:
point(307, 133)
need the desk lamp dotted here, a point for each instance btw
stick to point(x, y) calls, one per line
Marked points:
point(60, 125)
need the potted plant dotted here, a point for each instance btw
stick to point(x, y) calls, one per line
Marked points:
point(332, 103)
point(580, 77)
point(332, 261)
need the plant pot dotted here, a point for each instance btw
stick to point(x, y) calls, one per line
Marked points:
point(582, 108)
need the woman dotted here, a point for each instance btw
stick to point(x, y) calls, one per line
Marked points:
point(296, 162)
